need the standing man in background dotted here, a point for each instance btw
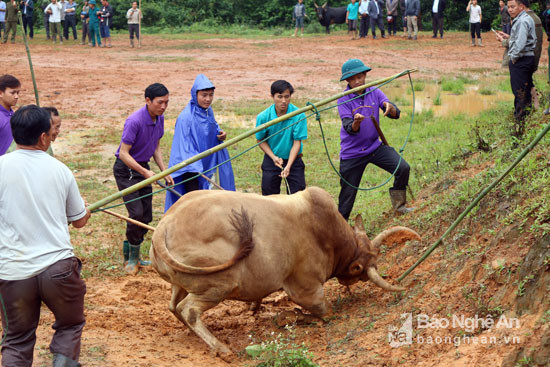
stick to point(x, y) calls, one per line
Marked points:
point(505, 21)
point(55, 9)
point(63, 4)
point(522, 43)
point(411, 11)
point(105, 25)
point(134, 16)
point(84, 20)
point(11, 21)
point(475, 21)
point(93, 24)
point(376, 18)
point(70, 19)
point(46, 18)
point(298, 14)
point(364, 16)
point(438, 8)
point(391, 12)
point(27, 7)
point(2, 17)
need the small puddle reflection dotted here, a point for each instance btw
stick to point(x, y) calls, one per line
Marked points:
point(471, 102)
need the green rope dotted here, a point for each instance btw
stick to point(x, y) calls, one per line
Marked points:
point(317, 114)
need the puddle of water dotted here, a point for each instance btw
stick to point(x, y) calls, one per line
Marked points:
point(471, 102)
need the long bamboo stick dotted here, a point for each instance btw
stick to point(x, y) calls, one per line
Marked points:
point(30, 60)
point(130, 220)
point(158, 176)
point(476, 201)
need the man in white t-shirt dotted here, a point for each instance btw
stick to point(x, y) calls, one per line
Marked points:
point(55, 10)
point(39, 197)
point(475, 21)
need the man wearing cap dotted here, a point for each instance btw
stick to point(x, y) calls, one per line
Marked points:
point(139, 143)
point(93, 24)
point(360, 144)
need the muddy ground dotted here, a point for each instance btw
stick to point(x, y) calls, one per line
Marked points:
point(128, 323)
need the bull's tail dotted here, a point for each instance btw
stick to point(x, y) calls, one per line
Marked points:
point(242, 224)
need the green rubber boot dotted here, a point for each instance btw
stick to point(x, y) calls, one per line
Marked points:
point(132, 266)
point(126, 251)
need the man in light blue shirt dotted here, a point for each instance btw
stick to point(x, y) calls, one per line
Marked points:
point(70, 19)
point(283, 147)
point(2, 17)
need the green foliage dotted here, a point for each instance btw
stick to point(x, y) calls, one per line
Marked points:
point(281, 351)
point(452, 85)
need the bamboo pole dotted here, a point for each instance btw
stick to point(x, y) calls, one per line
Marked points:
point(476, 201)
point(158, 176)
point(30, 60)
point(139, 25)
point(130, 220)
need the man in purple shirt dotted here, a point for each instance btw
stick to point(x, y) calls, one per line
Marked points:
point(9, 94)
point(359, 143)
point(140, 141)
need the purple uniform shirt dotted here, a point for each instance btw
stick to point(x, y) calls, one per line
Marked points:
point(366, 140)
point(143, 134)
point(5, 129)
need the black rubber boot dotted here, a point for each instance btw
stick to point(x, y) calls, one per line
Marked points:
point(126, 251)
point(132, 266)
point(398, 201)
point(59, 360)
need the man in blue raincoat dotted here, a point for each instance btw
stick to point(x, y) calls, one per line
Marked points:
point(196, 131)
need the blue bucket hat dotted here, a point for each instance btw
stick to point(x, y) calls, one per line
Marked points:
point(353, 67)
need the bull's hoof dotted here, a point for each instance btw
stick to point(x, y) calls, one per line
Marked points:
point(225, 354)
point(286, 318)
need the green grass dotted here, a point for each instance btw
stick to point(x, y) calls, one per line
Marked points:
point(456, 86)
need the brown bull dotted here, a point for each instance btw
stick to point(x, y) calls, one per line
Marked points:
point(217, 245)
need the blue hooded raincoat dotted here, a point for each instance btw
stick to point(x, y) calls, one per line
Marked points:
point(196, 131)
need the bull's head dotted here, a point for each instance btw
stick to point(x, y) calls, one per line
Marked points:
point(321, 10)
point(363, 267)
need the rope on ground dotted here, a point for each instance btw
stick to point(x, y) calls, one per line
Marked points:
point(477, 200)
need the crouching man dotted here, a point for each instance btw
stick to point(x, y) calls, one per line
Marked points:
point(39, 196)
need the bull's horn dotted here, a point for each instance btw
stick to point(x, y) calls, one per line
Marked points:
point(315, 4)
point(379, 281)
point(407, 233)
point(324, 5)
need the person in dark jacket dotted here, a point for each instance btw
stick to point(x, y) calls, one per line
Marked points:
point(438, 8)
point(412, 9)
point(505, 21)
point(376, 17)
point(27, 7)
point(391, 12)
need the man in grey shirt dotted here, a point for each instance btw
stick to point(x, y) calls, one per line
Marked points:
point(522, 42)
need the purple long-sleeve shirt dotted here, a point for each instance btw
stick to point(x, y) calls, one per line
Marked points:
point(364, 141)
point(5, 129)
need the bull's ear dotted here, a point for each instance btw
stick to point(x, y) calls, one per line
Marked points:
point(358, 224)
point(355, 268)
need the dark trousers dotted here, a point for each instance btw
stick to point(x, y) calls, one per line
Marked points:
point(392, 26)
point(376, 22)
point(62, 290)
point(47, 25)
point(437, 24)
point(134, 29)
point(271, 181)
point(85, 32)
point(364, 26)
point(2, 28)
point(70, 21)
point(521, 80)
point(140, 210)
point(352, 170)
point(28, 22)
point(475, 29)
